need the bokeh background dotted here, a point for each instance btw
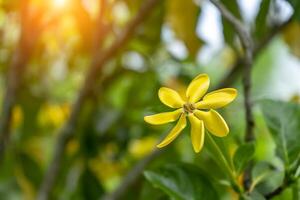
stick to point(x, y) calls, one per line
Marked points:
point(48, 47)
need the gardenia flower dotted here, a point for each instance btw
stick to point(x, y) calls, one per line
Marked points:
point(197, 107)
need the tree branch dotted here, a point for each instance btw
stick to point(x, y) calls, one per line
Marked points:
point(28, 38)
point(248, 47)
point(235, 71)
point(67, 132)
point(137, 170)
point(247, 43)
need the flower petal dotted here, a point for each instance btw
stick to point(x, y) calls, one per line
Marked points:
point(197, 133)
point(214, 122)
point(170, 97)
point(217, 99)
point(174, 132)
point(197, 88)
point(162, 118)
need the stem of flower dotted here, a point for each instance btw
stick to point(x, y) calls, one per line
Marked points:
point(222, 161)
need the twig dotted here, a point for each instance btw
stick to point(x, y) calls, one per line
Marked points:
point(132, 176)
point(67, 132)
point(248, 47)
point(234, 73)
point(247, 43)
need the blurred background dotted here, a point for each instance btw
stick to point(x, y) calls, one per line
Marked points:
point(48, 47)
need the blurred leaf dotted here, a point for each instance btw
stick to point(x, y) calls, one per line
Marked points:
point(228, 30)
point(88, 136)
point(30, 105)
point(151, 193)
point(296, 6)
point(182, 17)
point(283, 120)
point(31, 169)
point(243, 155)
point(148, 36)
point(261, 26)
point(118, 91)
point(291, 37)
point(183, 181)
point(265, 178)
point(90, 186)
point(254, 195)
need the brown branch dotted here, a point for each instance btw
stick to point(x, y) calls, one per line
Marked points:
point(132, 176)
point(16, 70)
point(247, 61)
point(67, 132)
point(28, 38)
point(236, 70)
point(248, 47)
point(247, 43)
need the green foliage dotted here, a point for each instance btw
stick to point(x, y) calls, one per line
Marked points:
point(243, 155)
point(228, 30)
point(110, 136)
point(266, 178)
point(183, 182)
point(296, 6)
point(261, 24)
point(31, 170)
point(283, 121)
point(90, 186)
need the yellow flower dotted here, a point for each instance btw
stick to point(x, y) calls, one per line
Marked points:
point(198, 108)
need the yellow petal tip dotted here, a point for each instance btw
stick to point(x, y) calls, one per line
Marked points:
point(146, 119)
point(197, 150)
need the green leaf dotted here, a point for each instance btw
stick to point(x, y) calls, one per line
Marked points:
point(265, 178)
point(283, 120)
point(90, 186)
point(147, 39)
point(296, 6)
point(254, 195)
point(243, 155)
point(228, 30)
point(31, 169)
point(183, 182)
point(261, 26)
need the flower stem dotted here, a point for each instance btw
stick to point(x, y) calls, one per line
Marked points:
point(222, 161)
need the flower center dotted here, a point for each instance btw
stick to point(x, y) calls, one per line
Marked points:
point(188, 107)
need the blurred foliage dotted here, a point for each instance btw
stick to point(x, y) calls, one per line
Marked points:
point(64, 37)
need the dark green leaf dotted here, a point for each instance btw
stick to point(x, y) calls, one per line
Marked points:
point(254, 195)
point(31, 170)
point(228, 30)
point(283, 120)
point(243, 155)
point(90, 186)
point(296, 6)
point(183, 182)
point(261, 26)
point(266, 178)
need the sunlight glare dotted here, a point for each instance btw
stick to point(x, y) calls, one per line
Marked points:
point(59, 3)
